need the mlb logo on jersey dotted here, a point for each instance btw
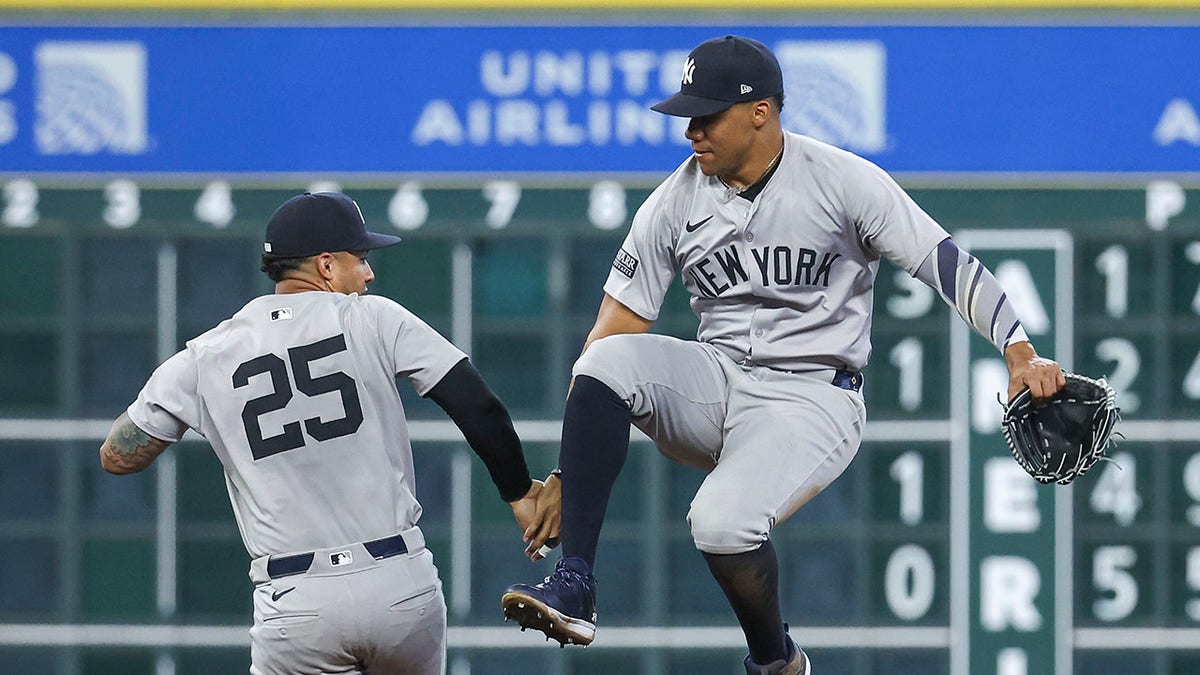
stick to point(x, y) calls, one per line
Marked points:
point(281, 314)
point(340, 558)
point(836, 91)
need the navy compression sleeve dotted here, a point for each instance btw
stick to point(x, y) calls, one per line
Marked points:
point(485, 423)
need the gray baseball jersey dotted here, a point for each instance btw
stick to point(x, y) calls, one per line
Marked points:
point(784, 280)
point(297, 395)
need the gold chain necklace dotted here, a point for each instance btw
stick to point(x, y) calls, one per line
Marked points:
point(731, 192)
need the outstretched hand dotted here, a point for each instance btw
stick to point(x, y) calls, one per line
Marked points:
point(543, 534)
point(525, 508)
point(538, 515)
point(1043, 377)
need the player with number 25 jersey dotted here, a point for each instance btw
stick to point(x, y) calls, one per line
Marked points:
point(297, 395)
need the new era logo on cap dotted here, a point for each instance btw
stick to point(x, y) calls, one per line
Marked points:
point(721, 72)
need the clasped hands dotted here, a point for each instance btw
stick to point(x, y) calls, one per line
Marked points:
point(538, 515)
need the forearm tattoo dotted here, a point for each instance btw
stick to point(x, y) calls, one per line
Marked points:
point(128, 449)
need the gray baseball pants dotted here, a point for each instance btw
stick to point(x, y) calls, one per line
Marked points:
point(770, 440)
point(358, 615)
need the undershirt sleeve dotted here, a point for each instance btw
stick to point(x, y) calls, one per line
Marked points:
point(485, 423)
point(967, 286)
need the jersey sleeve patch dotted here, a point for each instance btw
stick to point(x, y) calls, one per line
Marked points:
point(625, 263)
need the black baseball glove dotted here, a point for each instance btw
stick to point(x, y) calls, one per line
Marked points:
point(1058, 439)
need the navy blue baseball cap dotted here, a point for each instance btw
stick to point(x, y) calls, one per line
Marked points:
point(319, 222)
point(723, 71)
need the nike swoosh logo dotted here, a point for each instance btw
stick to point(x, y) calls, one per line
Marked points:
point(692, 228)
point(279, 594)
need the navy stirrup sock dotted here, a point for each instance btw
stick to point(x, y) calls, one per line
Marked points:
point(595, 441)
point(750, 581)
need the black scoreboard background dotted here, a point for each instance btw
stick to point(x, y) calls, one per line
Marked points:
point(894, 569)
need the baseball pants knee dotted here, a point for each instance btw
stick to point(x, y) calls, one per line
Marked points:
point(787, 437)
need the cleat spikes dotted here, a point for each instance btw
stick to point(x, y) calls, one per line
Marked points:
point(530, 611)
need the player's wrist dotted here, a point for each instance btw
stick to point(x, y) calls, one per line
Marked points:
point(1019, 353)
point(530, 491)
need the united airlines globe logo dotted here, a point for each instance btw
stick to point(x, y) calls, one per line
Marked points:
point(824, 104)
point(836, 92)
point(78, 112)
point(91, 98)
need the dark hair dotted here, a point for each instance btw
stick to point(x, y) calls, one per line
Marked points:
point(777, 99)
point(277, 268)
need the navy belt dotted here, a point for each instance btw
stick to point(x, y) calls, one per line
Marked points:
point(298, 563)
point(848, 379)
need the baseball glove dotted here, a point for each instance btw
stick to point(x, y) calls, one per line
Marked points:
point(1058, 439)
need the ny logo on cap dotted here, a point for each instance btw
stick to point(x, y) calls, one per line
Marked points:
point(689, 69)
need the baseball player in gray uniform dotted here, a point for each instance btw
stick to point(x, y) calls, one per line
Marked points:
point(777, 237)
point(297, 394)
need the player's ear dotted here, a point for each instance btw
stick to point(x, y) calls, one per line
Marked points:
point(762, 111)
point(325, 263)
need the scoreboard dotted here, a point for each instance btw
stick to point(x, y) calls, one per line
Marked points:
point(934, 553)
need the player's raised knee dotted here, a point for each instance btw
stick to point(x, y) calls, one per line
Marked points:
point(607, 357)
point(722, 532)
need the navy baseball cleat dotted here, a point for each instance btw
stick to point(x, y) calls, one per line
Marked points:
point(795, 664)
point(563, 606)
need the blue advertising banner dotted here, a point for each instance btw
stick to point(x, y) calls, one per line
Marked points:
point(573, 99)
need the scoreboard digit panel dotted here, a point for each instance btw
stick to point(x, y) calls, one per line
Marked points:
point(1121, 285)
point(1183, 534)
point(906, 378)
point(908, 533)
point(1120, 585)
point(1120, 319)
point(1122, 491)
